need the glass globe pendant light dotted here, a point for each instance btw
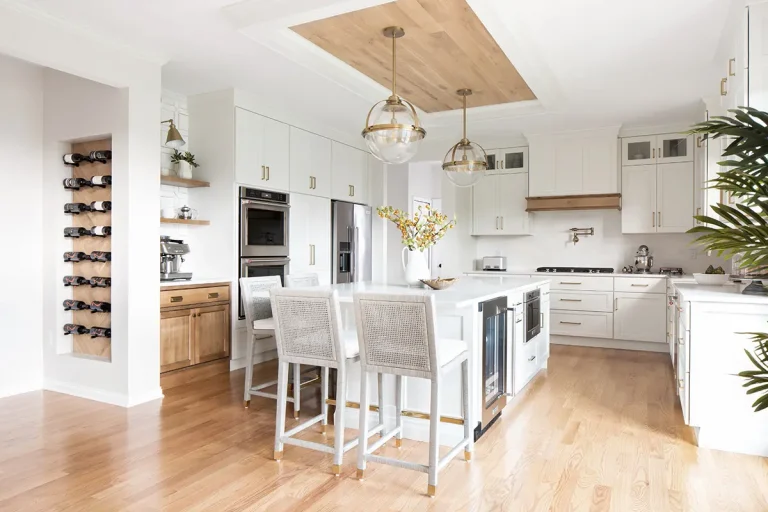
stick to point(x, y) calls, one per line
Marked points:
point(466, 162)
point(392, 130)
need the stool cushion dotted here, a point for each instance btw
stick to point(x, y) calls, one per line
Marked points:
point(350, 343)
point(449, 349)
point(265, 324)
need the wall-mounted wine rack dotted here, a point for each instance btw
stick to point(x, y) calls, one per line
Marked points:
point(85, 344)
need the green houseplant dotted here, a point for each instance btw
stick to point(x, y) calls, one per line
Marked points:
point(741, 229)
point(184, 163)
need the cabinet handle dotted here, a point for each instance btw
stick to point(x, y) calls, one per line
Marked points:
point(570, 323)
point(571, 300)
point(654, 152)
point(263, 172)
point(214, 295)
point(568, 282)
point(641, 285)
point(681, 383)
point(353, 191)
point(698, 141)
point(731, 66)
point(502, 223)
point(653, 218)
point(659, 220)
point(311, 254)
point(616, 304)
point(177, 298)
point(311, 183)
point(531, 358)
point(698, 213)
point(723, 90)
point(349, 191)
point(267, 173)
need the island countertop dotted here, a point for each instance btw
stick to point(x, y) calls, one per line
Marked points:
point(465, 292)
point(727, 293)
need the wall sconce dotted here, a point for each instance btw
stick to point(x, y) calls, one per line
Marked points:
point(174, 139)
point(582, 232)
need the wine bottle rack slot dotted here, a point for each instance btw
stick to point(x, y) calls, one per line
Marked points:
point(89, 214)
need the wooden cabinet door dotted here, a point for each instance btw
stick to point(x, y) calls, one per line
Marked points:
point(276, 153)
point(640, 317)
point(310, 163)
point(485, 215)
point(511, 190)
point(210, 333)
point(638, 199)
point(175, 339)
point(249, 132)
point(674, 184)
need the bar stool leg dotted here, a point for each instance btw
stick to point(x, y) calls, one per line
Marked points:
point(465, 410)
point(338, 424)
point(399, 410)
point(248, 372)
point(434, 438)
point(282, 401)
point(362, 444)
point(296, 390)
point(324, 397)
point(380, 390)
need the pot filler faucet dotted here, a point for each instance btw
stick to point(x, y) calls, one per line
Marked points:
point(582, 232)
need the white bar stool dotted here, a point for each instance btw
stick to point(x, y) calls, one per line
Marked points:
point(258, 319)
point(308, 331)
point(397, 335)
point(301, 280)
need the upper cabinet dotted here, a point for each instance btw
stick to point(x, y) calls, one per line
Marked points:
point(349, 173)
point(577, 163)
point(652, 149)
point(509, 159)
point(498, 204)
point(310, 163)
point(261, 151)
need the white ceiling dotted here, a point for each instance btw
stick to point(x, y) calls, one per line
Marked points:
point(590, 62)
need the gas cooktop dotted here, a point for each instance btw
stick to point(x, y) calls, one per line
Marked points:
point(584, 270)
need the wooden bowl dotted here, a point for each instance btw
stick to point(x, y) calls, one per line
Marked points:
point(439, 283)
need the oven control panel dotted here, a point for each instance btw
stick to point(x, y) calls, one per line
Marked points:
point(263, 195)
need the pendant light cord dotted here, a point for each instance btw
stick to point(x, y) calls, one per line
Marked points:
point(465, 116)
point(394, 65)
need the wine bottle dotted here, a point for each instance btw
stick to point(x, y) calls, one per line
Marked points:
point(75, 280)
point(74, 257)
point(101, 332)
point(75, 183)
point(76, 208)
point(76, 329)
point(76, 232)
point(102, 231)
point(75, 305)
point(98, 306)
point(101, 206)
point(100, 181)
point(74, 159)
point(100, 156)
point(100, 282)
point(101, 256)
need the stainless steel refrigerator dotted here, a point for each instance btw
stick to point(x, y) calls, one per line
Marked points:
point(352, 255)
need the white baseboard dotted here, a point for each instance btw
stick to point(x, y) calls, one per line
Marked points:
point(99, 395)
point(156, 394)
point(237, 364)
point(579, 341)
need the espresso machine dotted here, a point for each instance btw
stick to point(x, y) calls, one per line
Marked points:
point(171, 257)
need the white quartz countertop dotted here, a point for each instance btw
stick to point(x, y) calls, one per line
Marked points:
point(586, 274)
point(728, 293)
point(195, 281)
point(465, 292)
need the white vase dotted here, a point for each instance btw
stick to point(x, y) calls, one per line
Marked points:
point(185, 170)
point(416, 267)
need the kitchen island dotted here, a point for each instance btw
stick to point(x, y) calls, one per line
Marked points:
point(458, 318)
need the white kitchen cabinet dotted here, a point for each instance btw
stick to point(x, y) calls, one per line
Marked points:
point(653, 149)
point(657, 198)
point(640, 317)
point(310, 163)
point(309, 244)
point(349, 173)
point(638, 199)
point(261, 151)
point(498, 204)
point(512, 159)
point(638, 150)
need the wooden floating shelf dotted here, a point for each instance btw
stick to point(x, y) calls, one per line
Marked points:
point(583, 202)
point(175, 181)
point(191, 222)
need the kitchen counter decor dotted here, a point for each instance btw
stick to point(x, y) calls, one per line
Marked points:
point(439, 283)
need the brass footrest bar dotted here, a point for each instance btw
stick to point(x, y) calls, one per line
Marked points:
point(304, 384)
point(407, 413)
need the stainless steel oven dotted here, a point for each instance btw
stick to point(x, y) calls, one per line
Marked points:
point(264, 217)
point(261, 267)
point(532, 305)
point(495, 347)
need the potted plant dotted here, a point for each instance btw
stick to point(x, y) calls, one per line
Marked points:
point(184, 163)
point(740, 230)
point(418, 233)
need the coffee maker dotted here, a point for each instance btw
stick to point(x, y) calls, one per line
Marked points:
point(171, 257)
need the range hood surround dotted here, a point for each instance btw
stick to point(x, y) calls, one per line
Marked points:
point(575, 202)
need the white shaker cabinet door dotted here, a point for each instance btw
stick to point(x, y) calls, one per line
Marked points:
point(299, 249)
point(638, 150)
point(541, 164)
point(276, 151)
point(249, 133)
point(349, 169)
point(599, 162)
point(485, 215)
point(511, 191)
point(310, 163)
point(640, 317)
point(319, 223)
point(638, 199)
point(673, 148)
point(675, 197)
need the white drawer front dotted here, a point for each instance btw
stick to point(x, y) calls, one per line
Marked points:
point(582, 301)
point(589, 324)
point(640, 284)
point(582, 283)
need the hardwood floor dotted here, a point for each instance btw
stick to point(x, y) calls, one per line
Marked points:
point(600, 431)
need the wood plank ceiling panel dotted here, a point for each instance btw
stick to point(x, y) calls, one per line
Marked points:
point(445, 48)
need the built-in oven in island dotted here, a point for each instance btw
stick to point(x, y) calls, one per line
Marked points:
point(533, 316)
point(494, 363)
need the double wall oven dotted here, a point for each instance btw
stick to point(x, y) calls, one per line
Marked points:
point(264, 218)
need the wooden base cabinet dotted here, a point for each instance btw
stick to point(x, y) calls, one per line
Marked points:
point(194, 333)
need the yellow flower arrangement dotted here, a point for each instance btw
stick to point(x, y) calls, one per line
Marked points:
point(421, 231)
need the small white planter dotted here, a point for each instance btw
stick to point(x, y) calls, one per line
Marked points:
point(184, 170)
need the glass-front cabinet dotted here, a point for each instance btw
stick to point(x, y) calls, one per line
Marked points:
point(508, 159)
point(667, 148)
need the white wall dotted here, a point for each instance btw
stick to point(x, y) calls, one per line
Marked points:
point(21, 166)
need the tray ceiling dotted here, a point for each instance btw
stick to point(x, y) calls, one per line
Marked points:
point(445, 48)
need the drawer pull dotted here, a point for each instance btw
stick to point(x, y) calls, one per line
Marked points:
point(570, 323)
point(177, 298)
point(214, 295)
point(531, 358)
point(681, 383)
point(641, 285)
point(571, 300)
point(567, 282)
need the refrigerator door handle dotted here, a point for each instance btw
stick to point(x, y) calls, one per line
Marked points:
point(351, 255)
point(354, 277)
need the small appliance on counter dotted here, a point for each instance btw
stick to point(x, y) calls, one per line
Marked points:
point(643, 260)
point(495, 263)
point(671, 271)
point(171, 257)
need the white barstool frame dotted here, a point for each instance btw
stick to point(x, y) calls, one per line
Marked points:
point(327, 349)
point(414, 356)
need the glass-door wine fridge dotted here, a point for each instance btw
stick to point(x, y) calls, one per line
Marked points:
point(494, 318)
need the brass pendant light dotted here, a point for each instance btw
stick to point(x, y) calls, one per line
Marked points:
point(392, 130)
point(466, 161)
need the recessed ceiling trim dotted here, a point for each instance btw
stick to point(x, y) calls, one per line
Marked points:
point(280, 13)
